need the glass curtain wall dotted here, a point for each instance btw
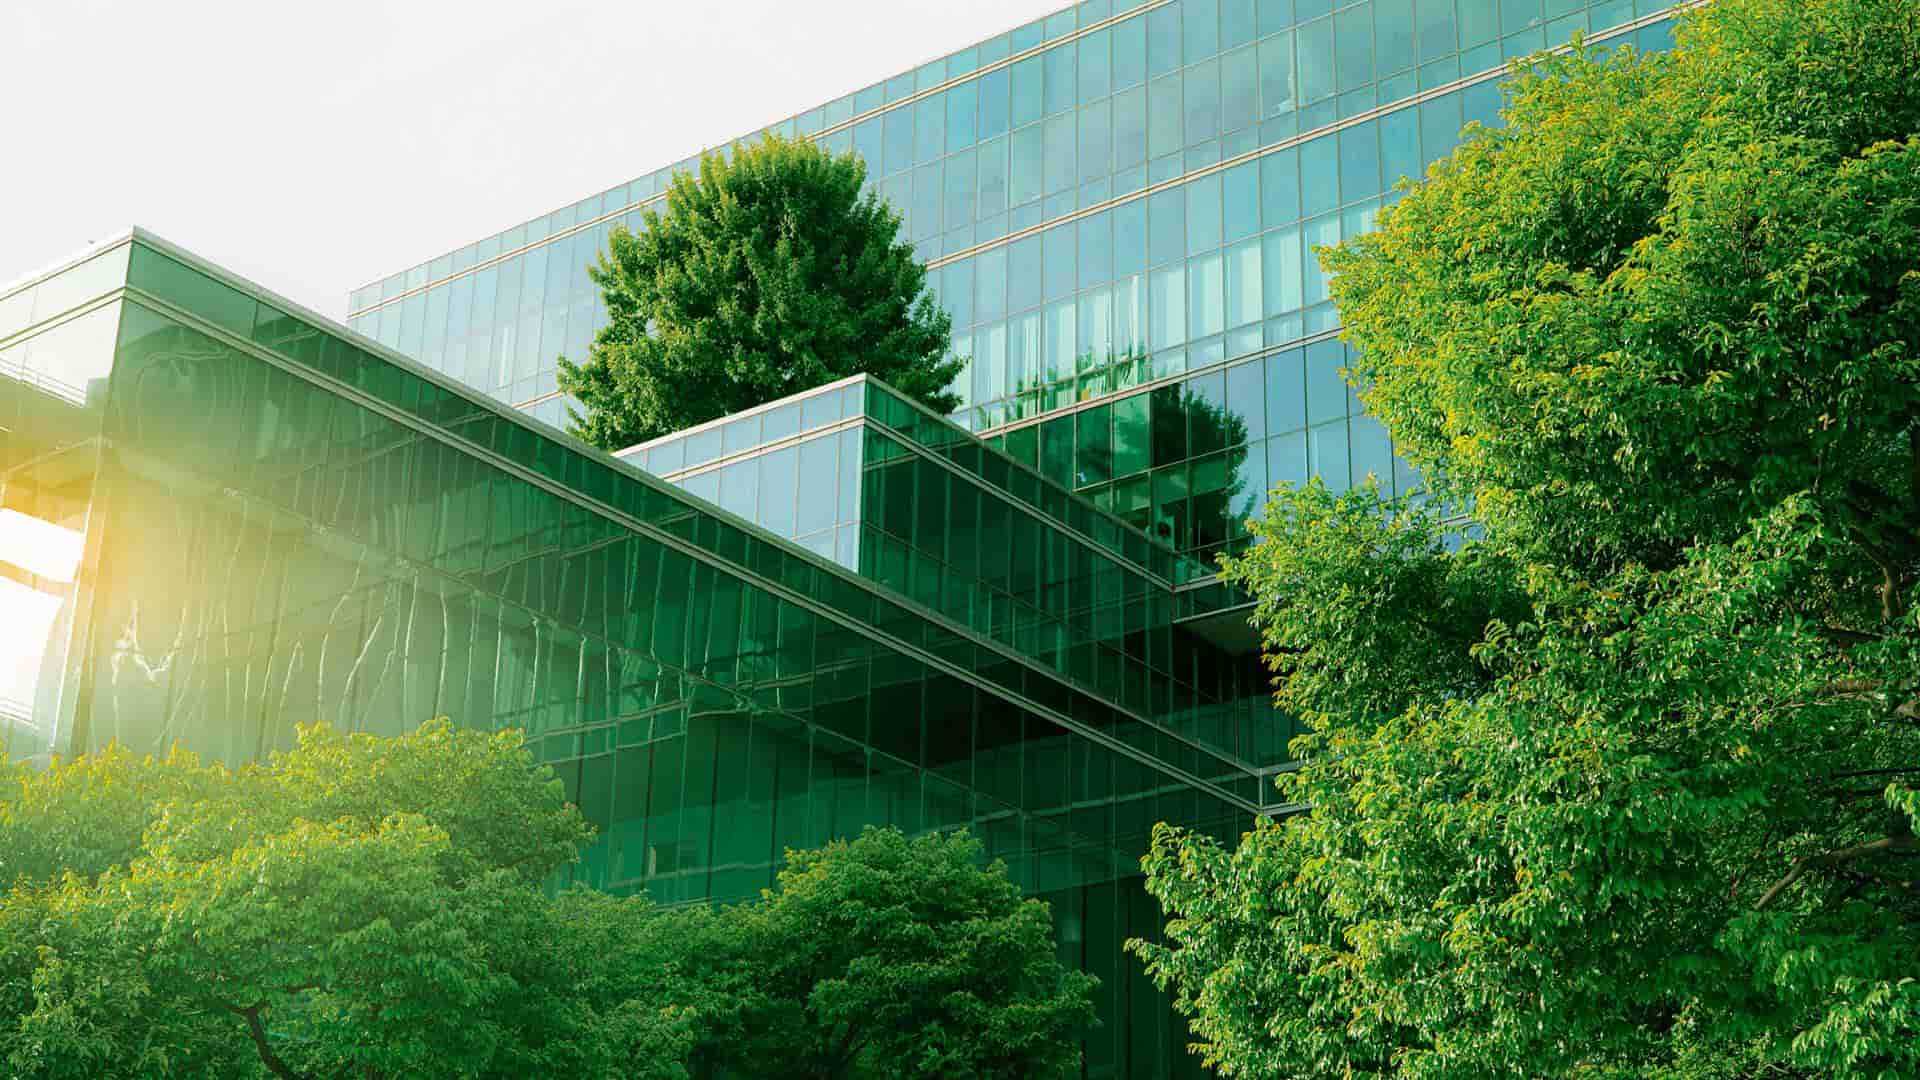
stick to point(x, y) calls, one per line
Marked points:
point(1113, 196)
point(858, 473)
point(281, 527)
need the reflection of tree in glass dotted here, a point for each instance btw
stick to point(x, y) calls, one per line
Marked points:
point(1197, 500)
point(1200, 488)
point(1085, 382)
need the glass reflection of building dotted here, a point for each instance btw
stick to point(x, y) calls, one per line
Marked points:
point(221, 515)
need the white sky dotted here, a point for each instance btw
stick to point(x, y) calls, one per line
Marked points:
point(316, 146)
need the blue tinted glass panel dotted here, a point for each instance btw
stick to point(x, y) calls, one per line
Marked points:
point(1314, 53)
point(1060, 79)
point(1095, 156)
point(1096, 250)
point(1240, 201)
point(1203, 214)
point(1129, 53)
point(1163, 40)
point(898, 136)
point(1028, 96)
point(1287, 390)
point(1359, 162)
point(1130, 237)
point(962, 102)
point(1200, 28)
point(1280, 187)
point(1319, 175)
point(1167, 223)
point(1239, 90)
point(1130, 128)
point(1095, 66)
point(930, 128)
point(994, 103)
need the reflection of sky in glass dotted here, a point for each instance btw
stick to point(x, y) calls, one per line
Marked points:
point(39, 547)
point(28, 620)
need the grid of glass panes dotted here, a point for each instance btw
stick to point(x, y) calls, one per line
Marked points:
point(807, 490)
point(954, 66)
point(609, 491)
point(702, 722)
point(500, 327)
point(714, 461)
point(1187, 276)
point(959, 549)
point(1015, 563)
point(1182, 279)
point(1191, 459)
point(1408, 48)
point(955, 543)
point(1051, 497)
point(1150, 98)
point(54, 366)
point(671, 455)
point(1180, 88)
point(934, 537)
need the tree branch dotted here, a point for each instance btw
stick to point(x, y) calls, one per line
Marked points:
point(1875, 772)
point(1733, 890)
point(274, 1062)
point(1889, 572)
point(843, 1054)
point(1862, 688)
point(1845, 638)
point(1834, 858)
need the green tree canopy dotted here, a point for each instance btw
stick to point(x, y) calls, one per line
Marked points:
point(1621, 780)
point(889, 957)
point(374, 908)
point(768, 274)
point(356, 907)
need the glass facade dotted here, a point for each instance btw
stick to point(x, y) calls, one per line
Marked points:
point(221, 515)
point(225, 516)
point(1119, 203)
point(862, 475)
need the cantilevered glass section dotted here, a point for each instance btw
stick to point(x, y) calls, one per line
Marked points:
point(907, 499)
point(225, 516)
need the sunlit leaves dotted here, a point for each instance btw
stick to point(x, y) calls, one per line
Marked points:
point(1618, 781)
point(357, 906)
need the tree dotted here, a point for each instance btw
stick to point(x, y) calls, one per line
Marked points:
point(768, 274)
point(889, 957)
point(371, 908)
point(357, 907)
point(1619, 779)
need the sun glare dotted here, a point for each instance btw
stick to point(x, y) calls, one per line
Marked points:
point(26, 620)
point(39, 547)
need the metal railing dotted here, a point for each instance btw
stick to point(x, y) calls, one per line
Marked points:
point(18, 371)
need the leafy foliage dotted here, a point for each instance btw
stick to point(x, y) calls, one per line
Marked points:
point(355, 907)
point(768, 274)
point(889, 957)
point(373, 907)
point(1620, 780)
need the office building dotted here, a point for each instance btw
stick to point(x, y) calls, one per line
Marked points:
point(1118, 198)
point(222, 515)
